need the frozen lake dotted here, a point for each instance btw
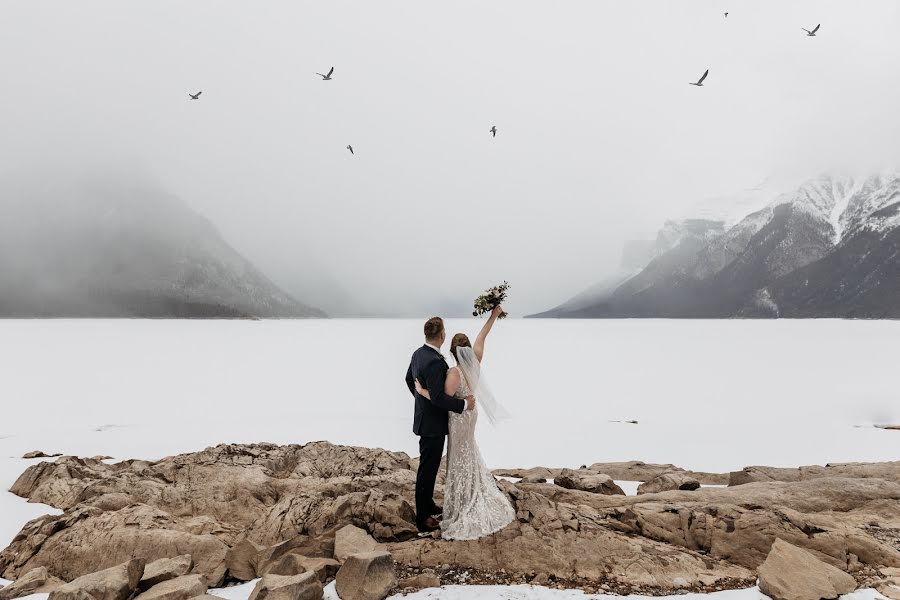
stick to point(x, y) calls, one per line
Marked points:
point(712, 395)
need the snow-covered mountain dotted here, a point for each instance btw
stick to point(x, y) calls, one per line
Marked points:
point(826, 249)
point(102, 247)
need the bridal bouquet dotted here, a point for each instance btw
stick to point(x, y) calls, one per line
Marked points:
point(493, 297)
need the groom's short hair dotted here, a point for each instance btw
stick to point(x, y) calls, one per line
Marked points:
point(433, 328)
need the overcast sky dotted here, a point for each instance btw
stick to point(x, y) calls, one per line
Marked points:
point(600, 137)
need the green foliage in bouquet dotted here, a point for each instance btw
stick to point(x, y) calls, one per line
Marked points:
point(493, 297)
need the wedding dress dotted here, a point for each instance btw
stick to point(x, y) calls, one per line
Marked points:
point(473, 504)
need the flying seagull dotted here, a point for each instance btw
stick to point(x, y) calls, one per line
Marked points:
point(350, 148)
point(326, 77)
point(195, 96)
point(493, 130)
point(813, 32)
point(700, 81)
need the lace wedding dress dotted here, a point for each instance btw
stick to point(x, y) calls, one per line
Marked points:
point(473, 504)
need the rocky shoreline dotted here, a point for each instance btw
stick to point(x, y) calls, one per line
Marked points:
point(300, 516)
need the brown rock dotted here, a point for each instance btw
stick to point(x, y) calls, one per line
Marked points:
point(165, 569)
point(86, 540)
point(889, 471)
point(352, 540)
point(668, 482)
point(420, 581)
point(39, 454)
point(179, 588)
point(566, 541)
point(298, 587)
point(115, 583)
point(366, 576)
point(36, 581)
point(791, 573)
point(111, 502)
point(289, 564)
point(588, 481)
point(242, 560)
point(295, 564)
point(302, 545)
point(533, 479)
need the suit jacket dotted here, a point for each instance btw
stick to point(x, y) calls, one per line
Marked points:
point(430, 416)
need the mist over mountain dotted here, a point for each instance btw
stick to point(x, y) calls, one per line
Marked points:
point(827, 249)
point(118, 245)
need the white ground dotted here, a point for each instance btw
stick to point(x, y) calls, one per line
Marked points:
point(708, 395)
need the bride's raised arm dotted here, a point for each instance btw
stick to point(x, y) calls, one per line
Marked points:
point(482, 335)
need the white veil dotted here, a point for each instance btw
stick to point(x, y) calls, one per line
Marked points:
point(471, 369)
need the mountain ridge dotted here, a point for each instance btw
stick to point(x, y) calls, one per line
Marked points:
point(118, 248)
point(779, 261)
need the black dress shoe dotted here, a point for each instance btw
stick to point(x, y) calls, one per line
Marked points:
point(430, 524)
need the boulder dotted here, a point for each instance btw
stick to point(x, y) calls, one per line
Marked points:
point(35, 581)
point(366, 576)
point(179, 588)
point(289, 564)
point(298, 587)
point(636, 470)
point(533, 479)
point(39, 454)
point(420, 581)
point(889, 471)
point(85, 540)
point(668, 482)
point(324, 568)
point(115, 583)
point(350, 540)
point(165, 569)
point(791, 573)
point(295, 564)
point(242, 559)
point(303, 545)
point(588, 481)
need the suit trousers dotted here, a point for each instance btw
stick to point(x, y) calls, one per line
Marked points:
point(431, 449)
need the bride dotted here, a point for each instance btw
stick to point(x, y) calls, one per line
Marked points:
point(473, 504)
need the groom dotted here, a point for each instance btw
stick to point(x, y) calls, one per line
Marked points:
point(430, 419)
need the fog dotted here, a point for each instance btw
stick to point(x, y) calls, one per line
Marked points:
point(600, 139)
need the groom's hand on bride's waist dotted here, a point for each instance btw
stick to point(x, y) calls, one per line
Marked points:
point(470, 402)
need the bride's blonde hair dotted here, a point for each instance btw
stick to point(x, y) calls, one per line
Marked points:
point(460, 339)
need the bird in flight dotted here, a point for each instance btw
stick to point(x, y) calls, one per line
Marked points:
point(493, 130)
point(195, 96)
point(813, 32)
point(326, 77)
point(700, 81)
point(350, 148)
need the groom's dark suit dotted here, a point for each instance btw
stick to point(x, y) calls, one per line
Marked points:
point(429, 423)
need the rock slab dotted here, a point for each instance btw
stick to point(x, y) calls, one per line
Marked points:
point(298, 587)
point(668, 482)
point(366, 576)
point(791, 573)
point(351, 540)
point(588, 481)
point(35, 581)
point(179, 588)
point(115, 583)
point(165, 569)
